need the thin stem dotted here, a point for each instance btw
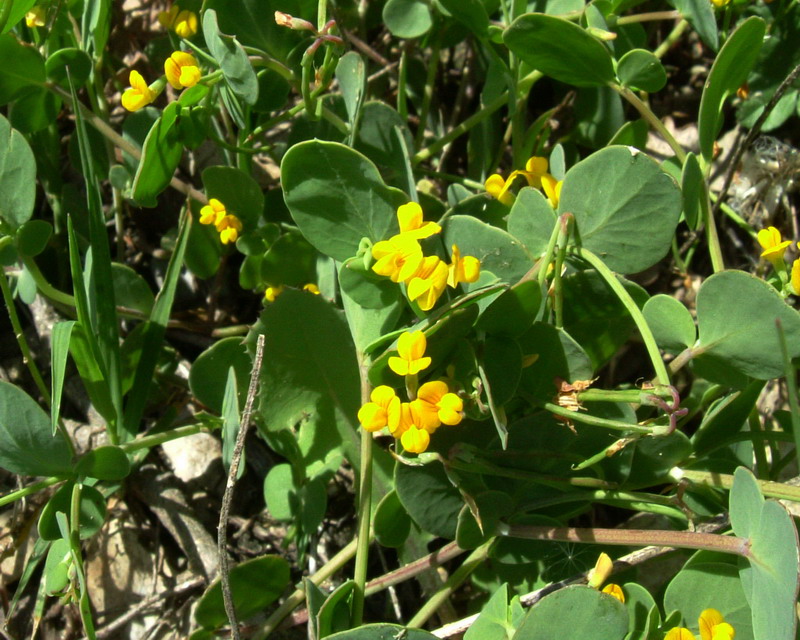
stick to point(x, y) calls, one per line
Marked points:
point(791, 384)
point(31, 488)
point(364, 507)
point(652, 119)
point(671, 39)
point(635, 312)
point(770, 489)
point(712, 237)
point(583, 418)
point(649, 17)
point(633, 538)
point(475, 559)
point(466, 125)
point(19, 334)
point(227, 497)
point(427, 96)
point(147, 442)
point(558, 293)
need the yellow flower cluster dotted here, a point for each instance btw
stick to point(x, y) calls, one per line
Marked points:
point(712, 627)
point(426, 277)
point(227, 225)
point(774, 247)
point(411, 422)
point(272, 292)
point(535, 173)
point(182, 22)
point(181, 70)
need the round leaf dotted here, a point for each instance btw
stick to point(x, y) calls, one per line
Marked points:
point(279, 492)
point(207, 376)
point(17, 175)
point(670, 322)
point(560, 49)
point(57, 566)
point(24, 68)
point(407, 18)
point(32, 237)
point(130, 289)
point(626, 208)
point(429, 498)
point(641, 70)
point(104, 463)
point(69, 64)
point(92, 512)
point(532, 220)
point(736, 316)
point(392, 523)
point(27, 444)
point(240, 194)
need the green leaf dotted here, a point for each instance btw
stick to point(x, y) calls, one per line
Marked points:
point(593, 615)
point(240, 194)
point(26, 71)
point(560, 49)
point(513, 311)
point(232, 59)
point(692, 188)
point(532, 220)
point(27, 445)
point(392, 523)
point(92, 512)
point(17, 175)
point(653, 458)
point(280, 493)
point(744, 336)
point(59, 349)
point(57, 567)
point(728, 73)
point(641, 70)
point(377, 139)
point(700, 14)
point(471, 13)
point(771, 580)
point(161, 154)
point(498, 251)
point(231, 423)
point(502, 362)
point(351, 74)
point(70, 61)
point(626, 208)
point(382, 632)
point(207, 375)
point(643, 612)
point(429, 498)
point(104, 463)
point(726, 417)
point(671, 323)
point(335, 613)
point(290, 260)
point(337, 197)
point(35, 110)
point(131, 290)
point(407, 18)
point(18, 10)
point(33, 236)
point(713, 585)
point(491, 507)
point(95, 25)
point(255, 584)
point(497, 620)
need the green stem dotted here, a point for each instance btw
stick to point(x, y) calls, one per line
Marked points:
point(548, 255)
point(322, 14)
point(364, 507)
point(662, 376)
point(791, 384)
point(583, 418)
point(652, 119)
point(671, 39)
point(402, 79)
point(648, 17)
point(466, 125)
point(652, 503)
point(44, 287)
point(631, 396)
point(770, 489)
point(475, 559)
point(486, 468)
point(714, 249)
point(558, 293)
point(19, 334)
point(427, 96)
point(150, 441)
point(632, 538)
point(26, 491)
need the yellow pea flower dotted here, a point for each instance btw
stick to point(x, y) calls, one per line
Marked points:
point(498, 188)
point(601, 570)
point(679, 633)
point(272, 293)
point(35, 17)
point(411, 432)
point(614, 590)
point(466, 269)
point(535, 170)
point(712, 627)
point(182, 70)
point(438, 405)
point(399, 258)
point(213, 212)
point(229, 228)
point(311, 288)
point(183, 23)
point(382, 411)
point(411, 358)
point(796, 277)
point(409, 217)
point(139, 95)
point(772, 243)
point(552, 189)
point(429, 283)
point(720, 3)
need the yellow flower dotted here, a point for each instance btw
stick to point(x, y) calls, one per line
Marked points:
point(182, 70)
point(311, 288)
point(535, 170)
point(273, 292)
point(139, 95)
point(466, 269)
point(774, 247)
point(35, 17)
point(413, 436)
point(498, 188)
point(184, 23)
point(400, 258)
point(601, 570)
point(229, 227)
point(552, 189)
point(437, 405)
point(213, 212)
point(796, 277)
point(429, 283)
point(411, 357)
point(712, 627)
point(383, 411)
point(614, 590)
point(409, 217)
point(720, 3)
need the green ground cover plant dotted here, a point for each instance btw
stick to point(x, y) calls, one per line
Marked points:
point(491, 305)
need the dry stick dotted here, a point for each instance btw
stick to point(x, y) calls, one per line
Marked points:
point(222, 529)
point(754, 131)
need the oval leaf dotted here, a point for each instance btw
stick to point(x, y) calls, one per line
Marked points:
point(640, 69)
